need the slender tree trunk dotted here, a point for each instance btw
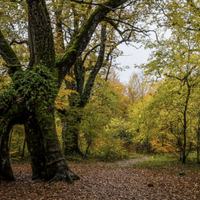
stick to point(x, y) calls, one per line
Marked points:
point(185, 154)
point(198, 139)
point(198, 147)
point(64, 130)
point(88, 146)
point(71, 121)
point(71, 134)
point(23, 149)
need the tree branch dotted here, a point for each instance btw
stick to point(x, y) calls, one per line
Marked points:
point(82, 39)
point(18, 42)
point(97, 67)
point(91, 3)
point(9, 56)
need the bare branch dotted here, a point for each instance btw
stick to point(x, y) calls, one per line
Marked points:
point(133, 28)
point(101, 4)
point(90, 52)
point(95, 4)
point(18, 42)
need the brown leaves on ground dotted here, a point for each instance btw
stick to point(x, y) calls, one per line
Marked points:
point(104, 181)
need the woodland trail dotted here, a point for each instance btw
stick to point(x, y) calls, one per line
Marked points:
point(102, 181)
point(123, 163)
point(127, 163)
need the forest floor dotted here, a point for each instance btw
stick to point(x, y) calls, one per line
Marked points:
point(119, 180)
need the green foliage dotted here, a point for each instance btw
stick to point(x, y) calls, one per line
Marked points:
point(109, 149)
point(119, 128)
point(160, 118)
point(170, 118)
point(100, 137)
point(7, 96)
point(33, 85)
point(16, 143)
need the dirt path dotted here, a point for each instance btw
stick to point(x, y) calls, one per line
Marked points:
point(127, 163)
point(122, 164)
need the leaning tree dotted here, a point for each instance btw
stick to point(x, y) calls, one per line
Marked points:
point(30, 97)
point(120, 26)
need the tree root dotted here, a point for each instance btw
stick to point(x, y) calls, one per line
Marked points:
point(68, 177)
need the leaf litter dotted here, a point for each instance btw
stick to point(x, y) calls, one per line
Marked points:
point(104, 181)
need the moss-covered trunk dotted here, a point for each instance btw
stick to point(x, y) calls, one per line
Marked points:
point(44, 147)
point(5, 168)
point(35, 148)
point(8, 117)
point(46, 157)
point(79, 100)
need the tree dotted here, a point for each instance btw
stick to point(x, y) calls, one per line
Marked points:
point(177, 58)
point(99, 137)
point(78, 99)
point(29, 99)
point(138, 86)
point(98, 57)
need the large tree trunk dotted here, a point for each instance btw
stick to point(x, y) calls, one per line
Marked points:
point(47, 160)
point(78, 101)
point(46, 156)
point(35, 148)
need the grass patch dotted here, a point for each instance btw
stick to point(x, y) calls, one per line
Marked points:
point(155, 163)
point(171, 165)
point(20, 160)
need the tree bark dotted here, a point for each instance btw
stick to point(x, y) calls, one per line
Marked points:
point(78, 101)
point(47, 160)
point(5, 168)
point(198, 139)
point(71, 133)
point(8, 118)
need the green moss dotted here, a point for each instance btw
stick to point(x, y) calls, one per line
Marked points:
point(58, 58)
point(72, 50)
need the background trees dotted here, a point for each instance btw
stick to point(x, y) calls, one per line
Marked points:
point(99, 57)
point(176, 58)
